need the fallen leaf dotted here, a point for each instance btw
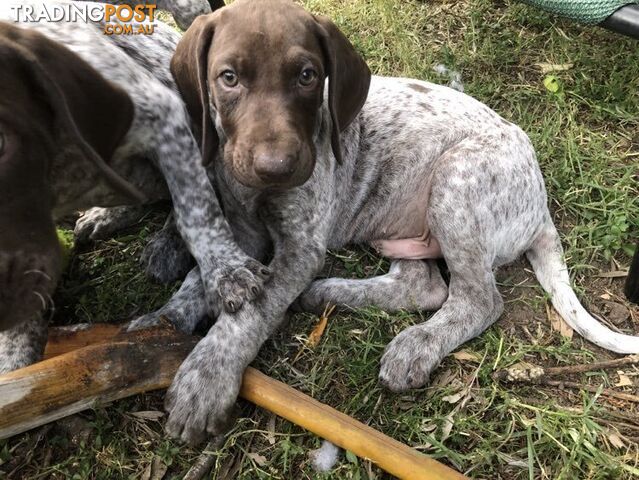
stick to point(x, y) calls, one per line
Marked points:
point(616, 312)
point(270, 430)
point(351, 457)
point(428, 427)
point(624, 380)
point(605, 296)
point(155, 470)
point(148, 414)
point(553, 67)
point(552, 83)
point(465, 355)
point(557, 323)
point(454, 398)
point(316, 335)
point(257, 458)
point(447, 427)
point(615, 274)
point(615, 440)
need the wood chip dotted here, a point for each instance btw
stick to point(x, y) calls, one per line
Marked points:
point(466, 356)
point(557, 323)
point(624, 380)
point(615, 440)
point(614, 274)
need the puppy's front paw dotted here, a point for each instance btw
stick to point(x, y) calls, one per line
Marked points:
point(100, 223)
point(235, 284)
point(201, 400)
point(409, 359)
point(183, 317)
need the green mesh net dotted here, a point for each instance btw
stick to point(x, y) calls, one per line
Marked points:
point(584, 11)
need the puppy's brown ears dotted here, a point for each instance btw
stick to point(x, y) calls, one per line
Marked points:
point(89, 111)
point(348, 79)
point(189, 67)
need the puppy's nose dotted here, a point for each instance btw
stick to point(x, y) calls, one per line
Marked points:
point(274, 167)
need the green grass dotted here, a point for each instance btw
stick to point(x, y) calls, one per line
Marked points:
point(587, 138)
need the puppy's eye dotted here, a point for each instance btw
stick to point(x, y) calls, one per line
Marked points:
point(3, 143)
point(307, 77)
point(229, 77)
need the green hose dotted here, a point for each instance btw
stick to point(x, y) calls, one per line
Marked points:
point(584, 11)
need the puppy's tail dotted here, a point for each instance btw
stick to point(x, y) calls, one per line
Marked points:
point(546, 258)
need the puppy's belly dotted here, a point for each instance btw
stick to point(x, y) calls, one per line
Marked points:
point(417, 248)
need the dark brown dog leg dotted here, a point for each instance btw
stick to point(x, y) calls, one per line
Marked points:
point(632, 281)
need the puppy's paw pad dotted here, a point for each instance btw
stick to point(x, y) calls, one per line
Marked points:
point(238, 284)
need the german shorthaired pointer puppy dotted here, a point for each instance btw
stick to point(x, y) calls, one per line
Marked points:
point(421, 171)
point(88, 119)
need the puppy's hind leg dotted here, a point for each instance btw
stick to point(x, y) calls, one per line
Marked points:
point(101, 223)
point(166, 258)
point(22, 345)
point(411, 285)
point(473, 305)
point(464, 217)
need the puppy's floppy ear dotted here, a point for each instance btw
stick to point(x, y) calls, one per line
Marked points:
point(348, 79)
point(88, 110)
point(189, 67)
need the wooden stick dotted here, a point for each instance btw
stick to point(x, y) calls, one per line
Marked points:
point(532, 373)
point(628, 397)
point(93, 375)
point(125, 364)
point(66, 339)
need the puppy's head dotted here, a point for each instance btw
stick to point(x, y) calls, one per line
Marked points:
point(51, 102)
point(261, 67)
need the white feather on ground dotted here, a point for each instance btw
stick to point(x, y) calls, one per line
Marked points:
point(325, 457)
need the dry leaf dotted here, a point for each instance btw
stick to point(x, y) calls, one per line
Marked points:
point(557, 323)
point(605, 296)
point(614, 274)
point(428, 427)
point(624, 380)
point(615, 440)
point(316, 335)
point(454, 398)
point(447, 427)
point(148, 414)
point(257, 458)
point(270, 430)
point(465, 355)
point(155, 470)
point(553, 67)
